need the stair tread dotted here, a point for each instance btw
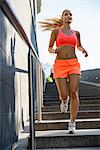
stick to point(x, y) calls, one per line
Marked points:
point(76, 148)
point(67, 120)
point(56, 112)
point(55, 133)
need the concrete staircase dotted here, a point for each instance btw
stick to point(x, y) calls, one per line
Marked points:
point(52, 131)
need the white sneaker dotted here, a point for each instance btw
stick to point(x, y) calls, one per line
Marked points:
point(64, 106)
point(71, 127)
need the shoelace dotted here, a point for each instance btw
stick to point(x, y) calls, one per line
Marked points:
point(72, 124)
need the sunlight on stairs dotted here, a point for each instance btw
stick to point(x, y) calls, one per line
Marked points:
point(52, 131)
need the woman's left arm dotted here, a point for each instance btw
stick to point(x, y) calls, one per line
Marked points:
point(79, 45)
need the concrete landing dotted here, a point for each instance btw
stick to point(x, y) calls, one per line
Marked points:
point(56, 133)
point(61, 139)
point(22, 142)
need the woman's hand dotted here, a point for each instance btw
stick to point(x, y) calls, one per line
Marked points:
point(57, 49)
point(85, 52)
point(51, 50)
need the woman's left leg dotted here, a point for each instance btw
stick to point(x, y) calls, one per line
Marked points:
point(74, 98)
point(74, 101)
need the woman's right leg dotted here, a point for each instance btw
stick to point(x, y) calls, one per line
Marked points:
point(62, 86)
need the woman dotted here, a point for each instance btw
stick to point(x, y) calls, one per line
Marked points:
point(66, 66)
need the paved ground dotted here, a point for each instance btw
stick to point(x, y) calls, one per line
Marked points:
point(23, 139)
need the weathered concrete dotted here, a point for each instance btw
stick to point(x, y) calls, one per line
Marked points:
point(63, 124)
point(81, 115)
point(61, 138)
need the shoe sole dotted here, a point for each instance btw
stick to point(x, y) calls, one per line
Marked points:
point(71, 132)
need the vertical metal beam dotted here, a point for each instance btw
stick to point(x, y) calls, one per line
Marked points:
point(41, 89)
point(31, 102)
point(39, 92)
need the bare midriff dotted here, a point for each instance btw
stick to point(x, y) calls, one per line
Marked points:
point(66, 52)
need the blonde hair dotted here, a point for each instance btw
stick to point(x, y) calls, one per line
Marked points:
point(52, 23)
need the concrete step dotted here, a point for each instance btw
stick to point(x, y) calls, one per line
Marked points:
point(52, 92)
point(56, 108)
point(82, 102)
point(82, 86)
point(87, 90)
point(89, 107)
point(84, 90)
point(59, 115)
point(61, 139)
point(74, 148)
point(63, 124)
point(82, 97)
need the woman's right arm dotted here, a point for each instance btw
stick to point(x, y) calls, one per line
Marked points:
point(53, 37)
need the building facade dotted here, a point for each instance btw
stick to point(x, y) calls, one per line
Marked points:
point(14, 95)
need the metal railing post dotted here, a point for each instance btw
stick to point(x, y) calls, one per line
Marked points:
point(39, 92)
point(31, 103)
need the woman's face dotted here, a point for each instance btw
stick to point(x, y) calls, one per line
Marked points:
point(67, 17)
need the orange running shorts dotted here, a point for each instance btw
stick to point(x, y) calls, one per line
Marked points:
point(63, 68)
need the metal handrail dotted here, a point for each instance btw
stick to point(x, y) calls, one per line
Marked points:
point(10, 14)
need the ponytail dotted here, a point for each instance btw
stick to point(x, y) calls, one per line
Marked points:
point(51, 24)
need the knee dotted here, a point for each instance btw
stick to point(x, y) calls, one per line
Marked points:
point(73, 94)
point(63, 97)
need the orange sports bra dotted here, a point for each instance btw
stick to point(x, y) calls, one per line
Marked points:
point(64, 39)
